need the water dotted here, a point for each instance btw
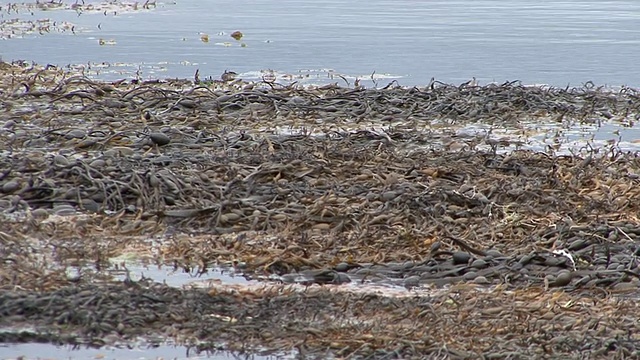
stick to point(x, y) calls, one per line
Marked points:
point(48, 351)
point(556, 43)
point(179, 278)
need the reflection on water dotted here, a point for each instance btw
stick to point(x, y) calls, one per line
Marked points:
point(550, 42)
point(179, 277)
point(48, 351)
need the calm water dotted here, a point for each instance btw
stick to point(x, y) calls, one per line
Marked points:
point(48, 351)
point(551, 42)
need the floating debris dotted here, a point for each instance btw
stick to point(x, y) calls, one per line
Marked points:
point(103, 42)
point(228, 75)
point(237, 35)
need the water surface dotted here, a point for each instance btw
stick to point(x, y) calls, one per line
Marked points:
point(557, 43)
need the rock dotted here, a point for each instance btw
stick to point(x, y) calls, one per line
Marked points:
point(98, 163)
point(562, 279)
point(412, 281)
point(61, 160)
point(90, 205)
point(342, 267)
point(494, 253)
point(159, 138)
point(63, 210)
point(460, 258)
point(40, 213)
point(10, 186)
point(75, 134)
point(471, 275)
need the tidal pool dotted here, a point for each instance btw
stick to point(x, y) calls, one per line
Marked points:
point(49, 351)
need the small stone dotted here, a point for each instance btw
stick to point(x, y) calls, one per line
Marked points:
point(61, 160)
point(481, 280)
point(460, 257)
point(412, 281)
point(471, 275)
point(90, 205)
point(389, 195)
point(63, 210)
point(342, 267)
point(478, 264)
point(10, 186)
point(40, 213)
point(564, 278)
point(73, 274)
point(494, 253)
point(159, 138)
point(75, 134)
point(341, 278)
point(98, 163)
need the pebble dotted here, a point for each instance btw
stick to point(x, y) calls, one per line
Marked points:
point(479, 264)
point(63, 210)
point(61, 160)
point(494, 253)
point(98, 163)
point(341, 278)
point(40, 213)
point(10, 186)
point(562, 279)
point(460, 257)
point(90, 205)
point(412, 281)
point(471, 275)
point(75, 134)
point(342, 267)
point(159, 138)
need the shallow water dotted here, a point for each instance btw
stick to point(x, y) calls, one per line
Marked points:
point(179, 278)
point(48, 351)
point(557, 43)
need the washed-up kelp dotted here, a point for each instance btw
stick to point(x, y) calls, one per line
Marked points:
point(325, 187)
